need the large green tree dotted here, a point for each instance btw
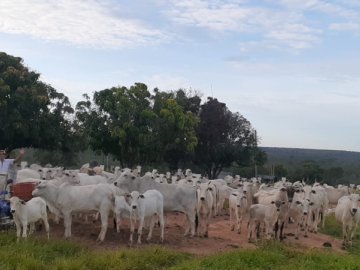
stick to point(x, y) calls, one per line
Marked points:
point(119, 122)
point(137, 128)
point(32, 113)
point(224, 138)
point(176, 126)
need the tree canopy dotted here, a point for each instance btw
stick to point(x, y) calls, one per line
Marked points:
point(134, 125)
point(224, 138)
point(32, 113)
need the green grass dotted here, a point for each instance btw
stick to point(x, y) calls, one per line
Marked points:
point(39, 254)
point(273, 257)
point(334, 228)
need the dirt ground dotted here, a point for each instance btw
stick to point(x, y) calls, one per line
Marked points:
point(220, 237)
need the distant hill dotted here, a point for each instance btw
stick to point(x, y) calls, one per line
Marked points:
point(333, 166)
point(325, 157)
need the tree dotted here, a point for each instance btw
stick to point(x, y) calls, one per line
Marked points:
point(32, 113)
point(120, 122)
point(224, 138)
point(176, 128)
point(310, 171)
point(137, 128)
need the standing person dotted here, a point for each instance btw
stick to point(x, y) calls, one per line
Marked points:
point(5, 165)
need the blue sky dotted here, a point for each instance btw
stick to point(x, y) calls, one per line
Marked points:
point(291, 67)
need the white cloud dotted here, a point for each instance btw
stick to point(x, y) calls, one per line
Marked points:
point(345, 27)
point(84, 23)
point(276, 26)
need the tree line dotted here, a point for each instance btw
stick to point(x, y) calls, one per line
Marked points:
point(132, 124)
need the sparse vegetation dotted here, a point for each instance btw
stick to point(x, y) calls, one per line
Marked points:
point(333, 228)
point(58, 254)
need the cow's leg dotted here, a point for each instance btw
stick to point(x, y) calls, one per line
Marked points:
point(250, 228)
point(162, 226)
point(231, 218)
point(18, 229)
point(46, 225)
point(67, 224)
point(32, 228)
point(141, 225)
point(237, 217)
point(104, 216)
point(153, 220)
point(190, 215)
point(344, 228)
point(25, 227)
point(132, 228)
point(117, 223)
point(281, 230)
point(276, 228)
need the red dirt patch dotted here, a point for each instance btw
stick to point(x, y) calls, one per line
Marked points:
point(220, 237)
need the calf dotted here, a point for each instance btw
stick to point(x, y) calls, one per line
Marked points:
point(149, 204)
point(268, 214)
point(298, 212)
point(25, 213)
point(179, 198)
point(276, 194)
point(347, 212)
point(318, 205)
point(204, 207)
point(237, 208)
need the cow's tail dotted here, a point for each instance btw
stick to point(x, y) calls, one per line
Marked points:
point(196, 212)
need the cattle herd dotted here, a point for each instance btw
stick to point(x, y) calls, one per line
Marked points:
point(145, 199)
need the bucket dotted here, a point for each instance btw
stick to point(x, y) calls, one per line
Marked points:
point(23, 190)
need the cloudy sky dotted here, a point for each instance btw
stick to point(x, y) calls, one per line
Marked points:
point(291, 67)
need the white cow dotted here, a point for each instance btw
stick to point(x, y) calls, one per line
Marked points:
point(269, 196)
point(347, 212)
point(150, 205)
point(204, 208)
point(86, 179)
point(267, 214)
point(334, 194)
point(319, 203)
point(178, 198)
point(69, 199)
point(298, 212)
point(27, 213)
point(27, 173)
point(121, 210)
point(237, 208)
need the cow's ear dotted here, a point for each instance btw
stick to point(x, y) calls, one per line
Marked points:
point(142, 196)
point(22, 202)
